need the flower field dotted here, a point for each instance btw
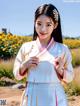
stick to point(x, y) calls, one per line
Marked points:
point(10, 44)
point(72, 43)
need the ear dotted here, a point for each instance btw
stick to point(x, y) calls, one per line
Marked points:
point(56, 24)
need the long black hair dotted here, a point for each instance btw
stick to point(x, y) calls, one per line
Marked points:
point(48, 9)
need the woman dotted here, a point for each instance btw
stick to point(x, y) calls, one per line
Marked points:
point(45, 61)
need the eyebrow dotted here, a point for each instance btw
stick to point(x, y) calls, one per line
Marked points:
point(47, 22)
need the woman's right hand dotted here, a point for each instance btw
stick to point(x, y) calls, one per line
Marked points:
point(32, 62)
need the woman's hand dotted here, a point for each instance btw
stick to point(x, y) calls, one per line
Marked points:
point(31, 62)
point(59, 65)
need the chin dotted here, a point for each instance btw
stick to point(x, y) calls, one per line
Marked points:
point(42, 37)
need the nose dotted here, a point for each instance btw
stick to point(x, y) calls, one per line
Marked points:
point(43, 28)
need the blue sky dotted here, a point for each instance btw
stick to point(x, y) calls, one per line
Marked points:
point(18, 15)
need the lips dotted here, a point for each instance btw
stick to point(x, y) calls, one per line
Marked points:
point(42, 33)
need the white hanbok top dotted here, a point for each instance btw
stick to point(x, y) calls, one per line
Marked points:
point(45, 71)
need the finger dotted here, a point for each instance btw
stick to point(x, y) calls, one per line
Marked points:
point(63, 56)
point(34, 62)
point(57, 67)
point(58, 58)
point(33, 65)
point(34, 59)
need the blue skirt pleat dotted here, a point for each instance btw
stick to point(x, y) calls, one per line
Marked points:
point(45, 94)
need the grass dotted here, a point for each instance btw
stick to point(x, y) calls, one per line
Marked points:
point(73, 88)
point(6, 72)
point(75, 57)
point(6, 68)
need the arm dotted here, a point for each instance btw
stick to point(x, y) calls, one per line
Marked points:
point(63, 66)
point(23, 63)
point(18, 65)
point(68, 69)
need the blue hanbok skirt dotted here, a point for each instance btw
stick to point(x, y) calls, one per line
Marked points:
point(44, 94)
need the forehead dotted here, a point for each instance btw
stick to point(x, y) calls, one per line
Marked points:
point(44, 18)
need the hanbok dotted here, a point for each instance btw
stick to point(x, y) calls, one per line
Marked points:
point(44, 87)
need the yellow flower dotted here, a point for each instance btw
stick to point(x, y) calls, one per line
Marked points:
point(4, 49)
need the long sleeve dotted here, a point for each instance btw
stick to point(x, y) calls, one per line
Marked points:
point(68, 73)
point(18, 61)
point(23, 55)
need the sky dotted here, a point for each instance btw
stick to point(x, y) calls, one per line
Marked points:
point(18, 15)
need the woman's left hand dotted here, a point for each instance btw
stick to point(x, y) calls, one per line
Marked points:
point(59, 65)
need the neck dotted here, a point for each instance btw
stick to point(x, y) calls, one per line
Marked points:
point(44, 42)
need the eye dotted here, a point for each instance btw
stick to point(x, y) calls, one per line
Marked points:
point(39, 24)
point(49, 24)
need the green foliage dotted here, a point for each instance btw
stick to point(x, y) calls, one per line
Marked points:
point(72, 89)
point(10, 44)
point(6, 73)
point(75, 57)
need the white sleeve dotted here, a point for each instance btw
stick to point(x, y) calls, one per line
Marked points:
point(68, 73)
point(18, 61)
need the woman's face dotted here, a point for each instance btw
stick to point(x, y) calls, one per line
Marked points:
point(44, 26)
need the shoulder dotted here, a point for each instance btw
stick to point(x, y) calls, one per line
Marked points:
point(65, 49)
point(25, 47)
point(28, 44)
point(63, 46)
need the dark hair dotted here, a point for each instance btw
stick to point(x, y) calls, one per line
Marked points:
point(47, 9)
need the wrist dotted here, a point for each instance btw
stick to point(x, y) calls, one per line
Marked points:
point(23, 70)
point(61, 71)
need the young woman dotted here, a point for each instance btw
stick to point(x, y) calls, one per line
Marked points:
point(45, 61)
